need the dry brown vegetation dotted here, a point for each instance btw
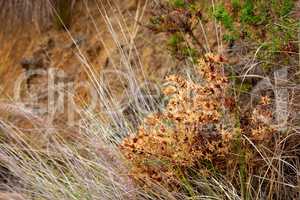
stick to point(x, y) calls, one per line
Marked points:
point(201, 130)
point(206, 115)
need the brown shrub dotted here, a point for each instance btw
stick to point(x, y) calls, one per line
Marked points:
point(191, 129)
point(201, 128)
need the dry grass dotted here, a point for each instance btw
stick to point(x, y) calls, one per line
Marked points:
point(19, 12)
point(250, 161)
point(40, 14)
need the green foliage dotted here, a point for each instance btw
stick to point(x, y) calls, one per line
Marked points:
point(175, 40)
point(247, 13)
point(236, 4)
point(190, 53)
point(260, 23)
point(264, 23)
point(287, 7)
point(178, 3)
point(223, 16)
point(244, 87)
point(229, 37)
point(179, 48)
point(279, 42)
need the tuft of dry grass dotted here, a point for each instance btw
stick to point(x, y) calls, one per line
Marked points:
point(37, 13)
point(200, 147)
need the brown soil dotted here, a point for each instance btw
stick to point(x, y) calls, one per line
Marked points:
point(89, 41)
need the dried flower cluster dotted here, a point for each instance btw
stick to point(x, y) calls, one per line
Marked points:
point(261, 121)
point(189, 131)
point(199, 129)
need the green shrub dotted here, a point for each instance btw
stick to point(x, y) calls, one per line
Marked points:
point(223, 16)
point(259, 23)
point(248, 14)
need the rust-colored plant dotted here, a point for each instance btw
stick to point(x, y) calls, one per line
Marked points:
point(200, 129)
point(191, 130)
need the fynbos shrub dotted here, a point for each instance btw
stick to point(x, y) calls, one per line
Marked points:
point(188, 131)
point(199, 129)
